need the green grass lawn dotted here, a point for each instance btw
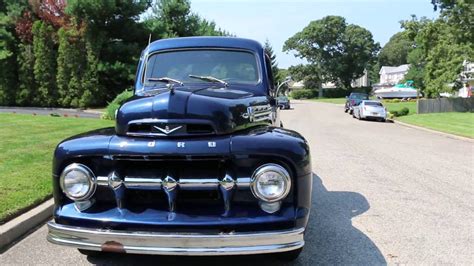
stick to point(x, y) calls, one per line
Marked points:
point(455, 123)
point(398, 106)
point(27, 143)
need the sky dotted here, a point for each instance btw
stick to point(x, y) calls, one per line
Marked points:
point(277, 20)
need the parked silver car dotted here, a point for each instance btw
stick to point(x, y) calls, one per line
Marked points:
point(373, 110)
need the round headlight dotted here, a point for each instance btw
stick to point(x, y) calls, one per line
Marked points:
point(270, 182)
point(77, 182)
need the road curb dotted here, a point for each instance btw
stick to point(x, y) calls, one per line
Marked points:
point(13, 230)
point(448, 135)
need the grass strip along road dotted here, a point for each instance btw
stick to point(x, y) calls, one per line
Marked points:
point(455, 123)
point(26, 149)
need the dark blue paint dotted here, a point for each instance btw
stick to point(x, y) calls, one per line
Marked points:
point(241, 144)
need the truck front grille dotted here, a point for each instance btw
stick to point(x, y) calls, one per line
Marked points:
point(163, 128)
point(139, 181)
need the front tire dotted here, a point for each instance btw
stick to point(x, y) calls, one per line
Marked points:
point(289, 255)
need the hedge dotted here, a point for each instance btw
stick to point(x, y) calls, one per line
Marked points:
point(116, 103)
point(303, 94)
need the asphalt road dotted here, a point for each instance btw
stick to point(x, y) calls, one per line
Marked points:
point(382, 194)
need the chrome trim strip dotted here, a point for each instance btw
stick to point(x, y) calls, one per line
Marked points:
point(165, 243)
point(244, 182)
point(135, 182)
point(142, 183)
point(198, 184)
point(102, 180)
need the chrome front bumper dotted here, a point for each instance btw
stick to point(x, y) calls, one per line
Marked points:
point(175, 243)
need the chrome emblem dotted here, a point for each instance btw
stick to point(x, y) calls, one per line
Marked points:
point(167, 129)
point(250, 115)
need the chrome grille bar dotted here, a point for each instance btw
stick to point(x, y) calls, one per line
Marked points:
point(227, 185)
point(198, 184)
point(144, 183)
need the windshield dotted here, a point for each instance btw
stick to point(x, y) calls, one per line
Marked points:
point(373, 103)
point(230, 66)
point(359, 96)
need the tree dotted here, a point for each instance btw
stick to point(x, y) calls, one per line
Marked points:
point(80, 53)
point(395, 51)
point(271, 54)
point(71, 65)
point(113, 38)
point(339, 50)
point(173, 18)
point(10, 13)
point(26, 81)
point(45, 64)
point(436, 61)
point(310, 74)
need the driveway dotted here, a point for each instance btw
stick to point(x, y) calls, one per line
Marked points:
point(382, 193)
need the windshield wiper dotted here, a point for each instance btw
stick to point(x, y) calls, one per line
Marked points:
point(210, 78)
point(167, 80)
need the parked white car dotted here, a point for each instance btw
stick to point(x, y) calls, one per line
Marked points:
point(370, 110)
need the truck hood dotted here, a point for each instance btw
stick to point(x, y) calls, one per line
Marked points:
point(188, 111)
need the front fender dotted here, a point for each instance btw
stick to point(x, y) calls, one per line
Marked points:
point(286, 144)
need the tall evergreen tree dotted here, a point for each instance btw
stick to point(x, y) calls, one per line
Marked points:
point(113, 39)
point(10, 12)
point(174, 18)
point(271, 54)
point(71, 65)
point(26, 80)
point(45, 63)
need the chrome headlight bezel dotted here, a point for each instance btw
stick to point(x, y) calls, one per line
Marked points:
point(270, 167)
point(92, 181)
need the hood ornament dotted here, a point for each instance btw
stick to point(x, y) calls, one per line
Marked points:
point(167, 130)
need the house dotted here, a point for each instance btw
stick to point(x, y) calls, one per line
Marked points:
point(391, 75)
point(467, 73)
point(296, 85)
point(357, 83)
point(466, 77)
point(362, 81)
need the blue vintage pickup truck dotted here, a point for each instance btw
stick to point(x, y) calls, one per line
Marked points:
point(197, 164)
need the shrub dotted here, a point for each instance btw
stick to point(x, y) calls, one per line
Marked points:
point(404, 111)
point(303, 94)
point(115, 104)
